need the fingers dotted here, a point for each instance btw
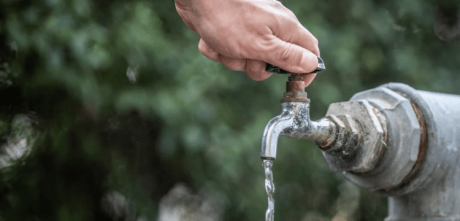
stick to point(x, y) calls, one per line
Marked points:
point(288, 56)
point(293, 31)
point(236, 64)
point(294, 59)
point(308, 78)
point(256, 70)
point(302, 37)
point(208, 51)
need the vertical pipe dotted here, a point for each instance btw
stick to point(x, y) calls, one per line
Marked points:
point(434, 191)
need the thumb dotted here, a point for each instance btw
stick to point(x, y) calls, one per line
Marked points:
point(289, 57)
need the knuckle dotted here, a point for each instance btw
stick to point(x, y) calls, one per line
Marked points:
point(315, 50)
point(258, 48)
point(241, 52)
point(291, 23)
point(277, 4)
point(292, 15)
point(257, 75)
point(254, 68)
point(233, 63)
point(285, 52)
point(227, 64)
point(237, 49)
point(315, 41)
point(253, 73)
point(201, 48)
point(315, 47)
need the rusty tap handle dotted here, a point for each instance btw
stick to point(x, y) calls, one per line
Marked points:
point(274, 69)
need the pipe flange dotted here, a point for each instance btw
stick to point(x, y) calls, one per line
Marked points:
point(347, 138)
point(402, 144)
point(368, 151)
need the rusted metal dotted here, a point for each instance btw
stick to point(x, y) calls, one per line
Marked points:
point(383, 142)
point(355, 135)
point(295, 90)
point(294, 122)
point(423, 139)
point(429, 190)
point(395, 151)
point(409, 150)
point(348, 136)
point(325, 143)
point(421, 153)
point(334, 133)
point(343, 156)
point(339, 140)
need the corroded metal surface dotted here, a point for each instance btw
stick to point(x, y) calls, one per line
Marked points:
point(327, 129)
point(295, 90)
point(431, 192)
point(367, 152)
point(421, 152)
point(419, 168)
point(422, 146)
point(392, 140)
point(401, 145)
point(348, 136)
point(294, 122)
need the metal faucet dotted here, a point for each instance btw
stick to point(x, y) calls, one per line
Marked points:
point(392, 140)
point(294, 121)
point(338, 135)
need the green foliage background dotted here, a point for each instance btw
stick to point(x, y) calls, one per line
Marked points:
point(187, 119)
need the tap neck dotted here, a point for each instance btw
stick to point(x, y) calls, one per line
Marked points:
point(295, 90)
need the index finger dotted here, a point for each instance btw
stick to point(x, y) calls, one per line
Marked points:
point(294, 32)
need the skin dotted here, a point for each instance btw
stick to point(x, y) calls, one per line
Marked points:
point(246, 34)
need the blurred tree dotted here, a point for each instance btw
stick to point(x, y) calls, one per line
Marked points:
point(128, 105)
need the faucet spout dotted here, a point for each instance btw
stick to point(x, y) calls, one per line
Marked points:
point(273, 130)
point(294, 122)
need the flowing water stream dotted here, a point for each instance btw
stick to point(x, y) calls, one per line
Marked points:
point(270, 188)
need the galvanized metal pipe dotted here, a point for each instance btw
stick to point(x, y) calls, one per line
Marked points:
point(392, 140)
point(294, 122)
point(433, 193)
point(418, 168)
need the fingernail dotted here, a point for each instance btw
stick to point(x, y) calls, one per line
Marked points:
point(309, 62)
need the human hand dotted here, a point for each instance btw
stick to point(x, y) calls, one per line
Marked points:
point(246, 34)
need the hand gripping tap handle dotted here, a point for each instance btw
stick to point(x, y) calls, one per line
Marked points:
point(274, 69)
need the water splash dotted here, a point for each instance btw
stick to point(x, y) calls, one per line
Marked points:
point(270, 188)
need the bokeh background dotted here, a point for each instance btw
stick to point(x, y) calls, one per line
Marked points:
point(109, 112)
